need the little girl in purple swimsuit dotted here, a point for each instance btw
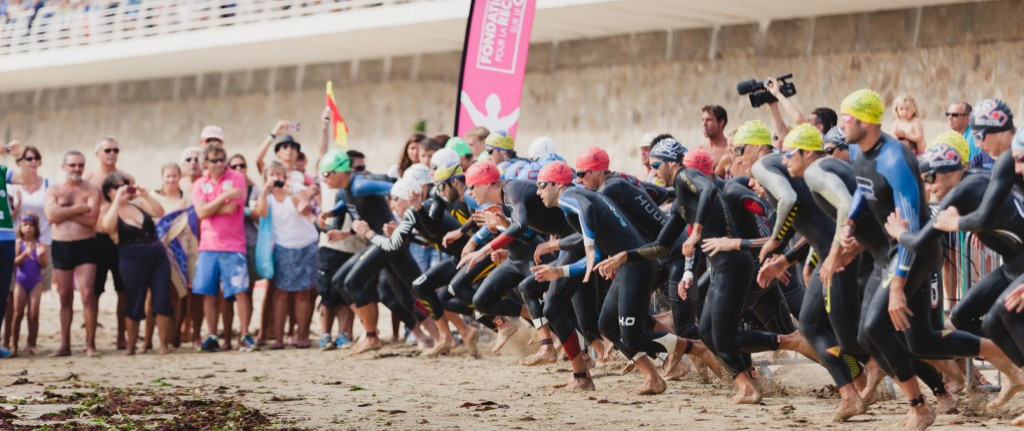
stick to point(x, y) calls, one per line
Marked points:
point(30, 260)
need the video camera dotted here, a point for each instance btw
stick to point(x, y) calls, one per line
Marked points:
point(759, 94)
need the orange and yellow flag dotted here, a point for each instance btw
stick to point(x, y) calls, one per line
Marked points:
point(340, 128)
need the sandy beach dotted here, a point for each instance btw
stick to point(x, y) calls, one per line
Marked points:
point(395, 389)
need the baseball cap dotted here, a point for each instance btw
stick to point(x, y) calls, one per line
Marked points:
point(698, 159)
point(804, 137)
point(753, 132)
point(593, 159)
point(335, 161)
point(211, 132)
point(482, 173)
point(669, 150)
point(459, 145)
point(865, 105)
point(501, 140)
point(557, 172)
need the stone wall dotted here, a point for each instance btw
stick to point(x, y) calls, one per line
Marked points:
point(606, 91)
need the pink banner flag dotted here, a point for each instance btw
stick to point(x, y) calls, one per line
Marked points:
point(494, 64)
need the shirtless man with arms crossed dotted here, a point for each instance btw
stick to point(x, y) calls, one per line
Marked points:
point(72, 208)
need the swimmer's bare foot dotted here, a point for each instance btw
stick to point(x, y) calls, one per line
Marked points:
point(546, 355)
point(166, 350)
point(1013, 383)
point(442, 347)
point(63, 351)
point(577, 384)
point(506, 329)
point(702, 370)
point(954, 378)
point(367, 344)
point(848, 409)
point(946, 404)
point(31, 350)
point(919, 418)
point(653, 386)
point(875, 375)
point(708, 359)
point(470, 340)
point(629, 368)
point(128, 352)
point(747, 396)
point(91, 352)
point(1017, 421)
point(675, 368)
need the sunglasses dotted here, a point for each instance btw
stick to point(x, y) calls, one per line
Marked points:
point(75, 165)
point(31, 159)
point(739, 149)
point(543, 184)
point(928, 177)
point(360, 168)
point(843, 147)
point(790, 154)
point(191, 159)
point(217, 161)
point(238, 166)
point(1019, 158)
point(979, 135)
point(111, 150)
point(656, 164)
point(956, 114)
point(581, 174)
point(288, 145)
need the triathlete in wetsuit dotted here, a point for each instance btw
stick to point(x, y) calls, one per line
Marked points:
point(887, 178)
point(942, 167)
point(624, 315)
point(523, 213)
point(796, 210)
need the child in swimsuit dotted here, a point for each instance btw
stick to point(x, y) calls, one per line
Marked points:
point(29, 263)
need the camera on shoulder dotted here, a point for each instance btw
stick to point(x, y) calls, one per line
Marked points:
point(758, 91)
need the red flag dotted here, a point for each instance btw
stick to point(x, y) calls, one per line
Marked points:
point(340, 128)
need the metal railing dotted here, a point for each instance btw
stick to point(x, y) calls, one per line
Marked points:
point(56, 27)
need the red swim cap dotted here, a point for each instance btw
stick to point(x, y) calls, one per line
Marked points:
point(556, 172)
point(482, 173)
point(594, 159)
point(698, 159)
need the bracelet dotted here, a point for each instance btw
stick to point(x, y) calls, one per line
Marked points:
point(744, 243)
point(271, 136)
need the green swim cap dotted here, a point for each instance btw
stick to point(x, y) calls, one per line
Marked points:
point(459, 145)
point(335, 161)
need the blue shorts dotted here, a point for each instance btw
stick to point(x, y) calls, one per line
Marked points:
point(221, 269)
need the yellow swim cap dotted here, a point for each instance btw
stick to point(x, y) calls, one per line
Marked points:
point(501, 140)
point(804, 137)
point(955, 141)
point(864, 105)
point(753, 132)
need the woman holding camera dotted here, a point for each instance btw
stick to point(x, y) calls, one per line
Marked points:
point(127, 216)
point(295, 251)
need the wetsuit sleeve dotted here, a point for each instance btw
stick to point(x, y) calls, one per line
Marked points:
point(831, 187)
point(799, 252)
point(579, 267)
point(571, 242)
point(399, 236)
point(482, 236)
point(779, 187)
point(362, 186)
point(906, 197)
point(668, 235)
point(997, 192)
point(658, 194)
point(928, 234)
point(573, 206)
point(518, 223)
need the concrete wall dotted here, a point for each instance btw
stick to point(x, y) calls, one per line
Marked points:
point(605, 92)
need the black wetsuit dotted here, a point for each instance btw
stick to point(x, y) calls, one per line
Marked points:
point(888, 178)
point(624, 315)
point(796, 210)
point(699, 201)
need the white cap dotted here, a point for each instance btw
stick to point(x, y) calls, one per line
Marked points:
point(211, 132)
point(419, 173)
point(444, 157)
point(646, 141)
point(541, 146)
point(404, 188)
